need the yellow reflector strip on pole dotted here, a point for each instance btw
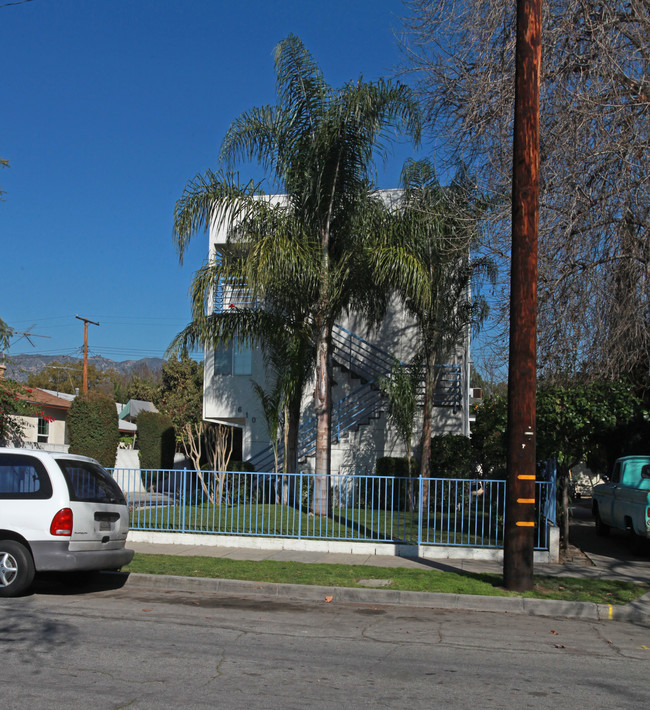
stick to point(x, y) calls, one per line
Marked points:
point(525, 525)
point(526, 500)
point(526, 477)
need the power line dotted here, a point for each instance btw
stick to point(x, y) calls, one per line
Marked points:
point(16, 2)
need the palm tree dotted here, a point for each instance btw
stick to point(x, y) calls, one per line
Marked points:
point(426, 257)
point(400, 389)
point(318, 146)
point(281, 327)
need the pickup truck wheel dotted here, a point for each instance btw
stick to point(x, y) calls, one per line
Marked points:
point(16, 568)
point(602, 530)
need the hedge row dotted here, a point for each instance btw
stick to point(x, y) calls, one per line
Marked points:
point(93, 428)
point(156, 440)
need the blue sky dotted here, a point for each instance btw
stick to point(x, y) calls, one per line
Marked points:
point(108, 108)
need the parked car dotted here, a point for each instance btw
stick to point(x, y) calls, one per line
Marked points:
point(58, 513)
point(623, 502)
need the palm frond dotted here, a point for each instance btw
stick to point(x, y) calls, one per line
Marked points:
point(255, 135)
point(300, 85)
point(209, 199)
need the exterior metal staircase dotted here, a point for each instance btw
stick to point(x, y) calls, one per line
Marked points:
point(366, 362)
point(363, 361)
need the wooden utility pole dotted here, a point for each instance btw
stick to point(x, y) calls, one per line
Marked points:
point(84, 386)
point(522, 370)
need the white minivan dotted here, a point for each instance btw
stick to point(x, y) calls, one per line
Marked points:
point(58, 513)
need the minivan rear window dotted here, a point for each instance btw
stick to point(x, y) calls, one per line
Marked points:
point(89, 483)
point(23, 478)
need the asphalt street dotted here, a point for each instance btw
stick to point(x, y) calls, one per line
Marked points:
point(142, 649)
point(141, 643)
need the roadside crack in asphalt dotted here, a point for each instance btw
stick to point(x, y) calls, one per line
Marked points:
point(364, 632)
point(218, 672)
point(600, 634)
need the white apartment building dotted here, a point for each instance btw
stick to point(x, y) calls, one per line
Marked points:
point(361, 431)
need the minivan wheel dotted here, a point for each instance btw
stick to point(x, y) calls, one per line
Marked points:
point(16, 568)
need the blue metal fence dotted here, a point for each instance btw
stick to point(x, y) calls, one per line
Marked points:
point(435, 511)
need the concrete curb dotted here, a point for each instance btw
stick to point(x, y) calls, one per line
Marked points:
point(638, 611)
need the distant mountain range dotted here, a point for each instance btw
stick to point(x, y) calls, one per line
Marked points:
point(19, 367)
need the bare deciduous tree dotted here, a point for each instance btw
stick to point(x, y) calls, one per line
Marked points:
point(217, 440)
point(594, 251)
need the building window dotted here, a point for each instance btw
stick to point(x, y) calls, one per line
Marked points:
point(234, 359)
point(43, 430)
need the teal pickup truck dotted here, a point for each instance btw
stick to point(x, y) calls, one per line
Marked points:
point(623, 502)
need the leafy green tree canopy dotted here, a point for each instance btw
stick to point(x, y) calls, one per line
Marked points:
point(13, 403)
point(593, 422)
point(180, 394)
point(426, 258)
point(452, 456)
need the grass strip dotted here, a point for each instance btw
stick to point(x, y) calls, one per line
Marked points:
point(600, 591)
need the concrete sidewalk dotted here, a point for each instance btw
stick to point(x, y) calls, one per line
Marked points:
point(579, 564)
point(588, 557)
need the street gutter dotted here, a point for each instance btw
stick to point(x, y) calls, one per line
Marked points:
point(637, 611)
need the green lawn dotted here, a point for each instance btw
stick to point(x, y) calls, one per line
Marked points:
point(344, 523)
point(565, 588)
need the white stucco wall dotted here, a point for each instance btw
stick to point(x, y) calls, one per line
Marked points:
point(56, 434)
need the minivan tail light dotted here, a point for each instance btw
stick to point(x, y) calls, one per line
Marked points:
point(62, 523)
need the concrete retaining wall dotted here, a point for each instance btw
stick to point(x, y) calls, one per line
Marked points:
point(432, 552)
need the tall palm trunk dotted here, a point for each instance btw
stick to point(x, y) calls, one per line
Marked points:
point(427, 426)
point(323, 407)
point(291, 425)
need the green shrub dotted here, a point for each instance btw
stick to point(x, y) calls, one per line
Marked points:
point(93, 427)
point(388, 491)
point(452, 456)
point(238, 487)
point(156, 440)
point(394, 466)
point(241, 466)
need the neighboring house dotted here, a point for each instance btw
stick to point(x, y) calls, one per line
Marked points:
point(127, 428)
point(360, 429)
point(46, 428)
point(133, 407)
point(127, 415)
